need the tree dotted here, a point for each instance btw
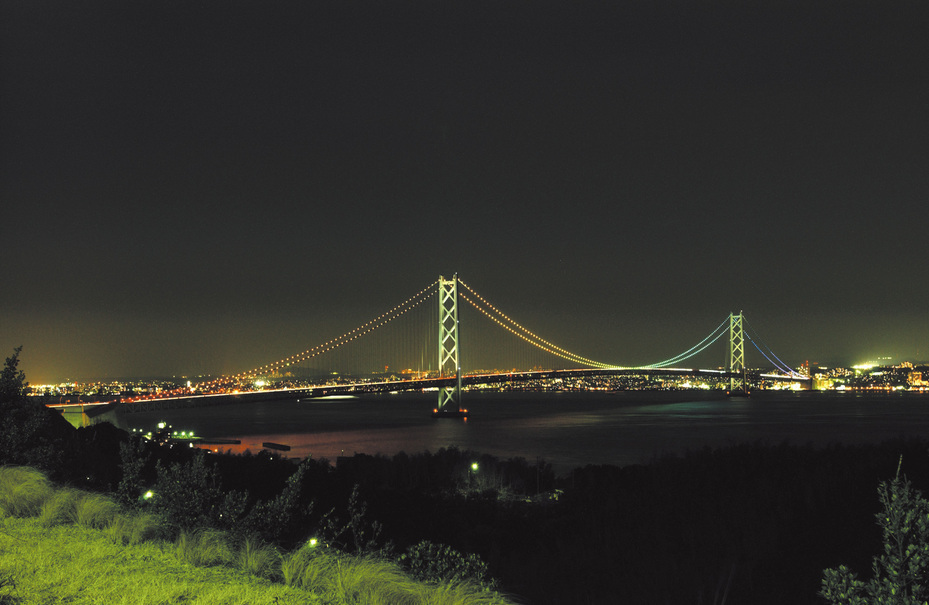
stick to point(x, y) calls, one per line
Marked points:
point(133, 458)
point(275, 519)
point(901, 572)
point(189, 493)
point(12, 382)
point(30, 433)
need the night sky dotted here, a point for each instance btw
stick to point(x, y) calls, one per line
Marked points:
point(204, 187)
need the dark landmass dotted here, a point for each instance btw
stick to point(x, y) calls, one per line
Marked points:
point(755, 522)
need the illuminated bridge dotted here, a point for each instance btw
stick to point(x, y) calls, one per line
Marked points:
point(419, 339)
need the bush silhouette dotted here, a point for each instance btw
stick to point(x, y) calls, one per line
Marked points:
point(900, 573)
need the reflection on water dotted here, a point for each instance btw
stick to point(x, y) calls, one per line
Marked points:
point(558, 421)
point(566, 429)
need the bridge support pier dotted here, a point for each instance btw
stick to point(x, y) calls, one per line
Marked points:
point(449, 405)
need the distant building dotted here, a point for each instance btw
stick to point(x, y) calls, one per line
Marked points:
point(915, 379)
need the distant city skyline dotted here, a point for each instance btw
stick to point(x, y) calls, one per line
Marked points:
point(204, 188)
point(903, 376)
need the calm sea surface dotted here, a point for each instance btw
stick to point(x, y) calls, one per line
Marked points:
point(567, 430)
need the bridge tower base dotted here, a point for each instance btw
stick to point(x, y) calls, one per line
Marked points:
point(449, 405)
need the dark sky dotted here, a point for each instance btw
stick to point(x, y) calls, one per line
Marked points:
point(209, 186)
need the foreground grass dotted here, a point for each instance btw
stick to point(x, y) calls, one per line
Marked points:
point(59, 545)
point(77, 564)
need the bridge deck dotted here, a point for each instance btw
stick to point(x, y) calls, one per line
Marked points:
point(209, 399)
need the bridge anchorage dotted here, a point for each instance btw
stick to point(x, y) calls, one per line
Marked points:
point(449, 405)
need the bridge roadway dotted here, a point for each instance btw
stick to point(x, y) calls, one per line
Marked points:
point(210, 399)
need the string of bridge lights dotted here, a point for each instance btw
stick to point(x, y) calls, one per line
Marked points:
point(703, 344)
point(381, 320)
point(557, 351)
point(697, 348)
point(529, 336)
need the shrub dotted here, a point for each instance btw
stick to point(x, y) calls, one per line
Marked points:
point(307, 567)
point(96, 511)
point(901, 573)
point(258, 558)
point(437, 563)
point(60, 508)
point(203, 548)
point(356, 535)
point(135, 528)
point(23, 491)
point(341, 578)
point(373, 581)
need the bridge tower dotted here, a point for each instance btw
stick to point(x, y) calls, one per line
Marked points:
point(738, 385)
point(449, 362)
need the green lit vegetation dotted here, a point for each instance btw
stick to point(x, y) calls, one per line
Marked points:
point(901, 572)
point(23, 492)
point(67, 545)
point(74, 564)
point(259, 559)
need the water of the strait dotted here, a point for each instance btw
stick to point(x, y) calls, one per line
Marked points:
point(567, 429)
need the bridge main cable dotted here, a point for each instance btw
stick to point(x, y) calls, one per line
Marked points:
point(381, 320)
point(779, 364)
point(508, 324)
point(694, 350)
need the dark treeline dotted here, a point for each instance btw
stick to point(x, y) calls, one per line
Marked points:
point(757, 523)
point(752, 523)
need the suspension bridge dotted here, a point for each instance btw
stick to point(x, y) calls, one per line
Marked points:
point(423, 344)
